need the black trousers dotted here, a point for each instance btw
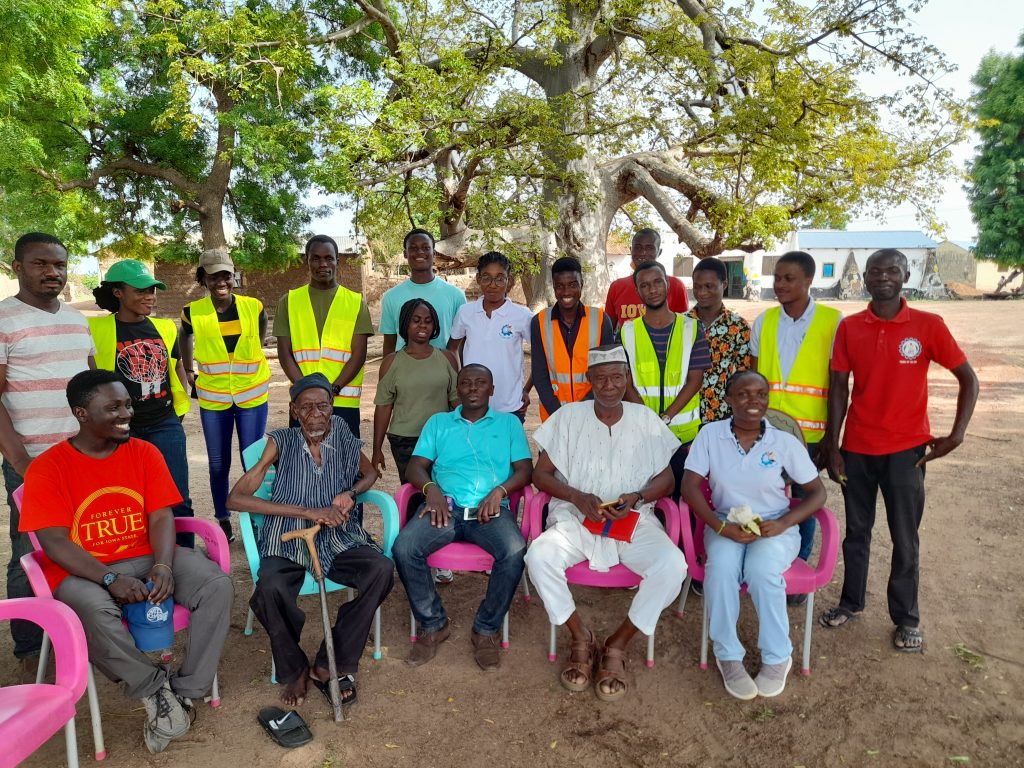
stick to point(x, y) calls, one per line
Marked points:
point(902, 486)
point(274, 603)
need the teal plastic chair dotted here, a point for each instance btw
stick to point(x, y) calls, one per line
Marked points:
point(251, 525)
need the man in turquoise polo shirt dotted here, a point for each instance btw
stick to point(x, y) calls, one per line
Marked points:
point(466, 463)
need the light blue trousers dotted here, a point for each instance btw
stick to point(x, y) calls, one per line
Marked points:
point(760, 565)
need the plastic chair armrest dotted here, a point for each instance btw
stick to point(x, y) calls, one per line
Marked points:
point(535, 508)
point(213, 537)
point(672, 524)
point(30, 563)
point(829, 546)
point(65, 631)
point(389, 515)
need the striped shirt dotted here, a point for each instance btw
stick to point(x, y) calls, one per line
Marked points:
point(42, 351)
point(301, 481)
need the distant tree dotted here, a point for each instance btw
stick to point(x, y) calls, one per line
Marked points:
point(996, 188)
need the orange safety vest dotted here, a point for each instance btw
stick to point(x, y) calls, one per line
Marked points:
point(568, 372)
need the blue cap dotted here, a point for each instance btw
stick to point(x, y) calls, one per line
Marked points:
point(151, 626)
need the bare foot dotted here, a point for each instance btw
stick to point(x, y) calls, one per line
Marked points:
point(294, 693)
point(323, 675)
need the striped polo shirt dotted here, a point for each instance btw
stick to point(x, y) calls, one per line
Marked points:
point(42, 351)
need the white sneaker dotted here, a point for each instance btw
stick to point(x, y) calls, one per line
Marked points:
point(737, 682)
point(443, 576)
point(166, 719)
point(771, 680)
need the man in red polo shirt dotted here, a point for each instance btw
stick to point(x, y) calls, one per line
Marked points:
point(888, 348)
point(623, 301)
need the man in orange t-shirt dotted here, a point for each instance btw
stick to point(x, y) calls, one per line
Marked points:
point(623, 302)
point(100, 503)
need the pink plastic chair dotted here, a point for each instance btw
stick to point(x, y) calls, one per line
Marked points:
point(217, 549)
point(461, 555)
point(31, 714)
point(618, 576)
point(801, 578)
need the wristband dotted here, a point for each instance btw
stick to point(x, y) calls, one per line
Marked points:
point(504, 489)
point(427, 485)
point(164, 565)
point(721, 528)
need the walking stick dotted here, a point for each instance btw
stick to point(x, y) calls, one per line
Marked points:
point(309, 536)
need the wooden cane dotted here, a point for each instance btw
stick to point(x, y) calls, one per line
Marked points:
point(309, 536)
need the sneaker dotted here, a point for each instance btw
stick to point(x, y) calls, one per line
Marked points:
point(225, 525)
point(443, 576)
point(737, 682)
point(166, 719)
point(771, 680)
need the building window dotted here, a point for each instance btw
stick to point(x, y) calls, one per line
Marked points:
point(828, 270)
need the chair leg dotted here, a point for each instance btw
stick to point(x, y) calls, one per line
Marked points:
point(248, 623)
point(704, 635)
point(681, 608)
point(273, 671)
point(805, 668)
point(376, 635)
point(351, 595)
point(94, 714)
point(552, 648)
point(44, 658)
point(650, 651)
point(526, 588)
point(215, 693)
point(412, 627)
point(71, 743)
point(504, 632)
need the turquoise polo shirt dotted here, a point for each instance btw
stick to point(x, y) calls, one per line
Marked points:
point(471, 458)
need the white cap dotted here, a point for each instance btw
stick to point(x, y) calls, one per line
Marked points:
point(598, 356)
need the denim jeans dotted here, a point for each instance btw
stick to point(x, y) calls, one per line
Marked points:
point(500, 538)
point(810, 525)
point(27, 636)
point(218, 428)
point(168, 437)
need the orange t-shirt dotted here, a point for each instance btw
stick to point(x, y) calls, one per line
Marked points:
point(104, 503)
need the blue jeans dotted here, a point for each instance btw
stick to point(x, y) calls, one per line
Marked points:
point(27, 636)
point(168, 437)
point(218, 427)
point(810, 525)
point(500, 538)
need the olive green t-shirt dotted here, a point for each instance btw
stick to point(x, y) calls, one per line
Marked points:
point(417, 389)
point(321, 302)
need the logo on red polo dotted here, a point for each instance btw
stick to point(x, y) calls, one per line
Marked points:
point(910, 350)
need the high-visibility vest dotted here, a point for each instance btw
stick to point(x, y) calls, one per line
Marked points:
point(804, 395)
point(329, 354)
point(104, 336)
point(568, 372)
point(656, 391)
point(241, 378)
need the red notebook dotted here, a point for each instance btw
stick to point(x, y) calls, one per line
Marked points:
point(620, 530)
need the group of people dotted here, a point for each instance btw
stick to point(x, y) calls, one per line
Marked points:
point(642, 399)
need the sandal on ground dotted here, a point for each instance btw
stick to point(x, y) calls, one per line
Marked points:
point(346, 683)
point(582, 655)
point(836, 617)
point(908, 639)
point(611, 668)
point(287, 729)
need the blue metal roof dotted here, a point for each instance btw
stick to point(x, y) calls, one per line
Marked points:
point(837, 238)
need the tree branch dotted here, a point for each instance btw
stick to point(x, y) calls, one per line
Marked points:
point(128, 164)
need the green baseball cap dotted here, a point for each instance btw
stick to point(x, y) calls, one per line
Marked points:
point(133, 273)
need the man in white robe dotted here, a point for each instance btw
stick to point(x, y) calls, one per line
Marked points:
point(593, 453)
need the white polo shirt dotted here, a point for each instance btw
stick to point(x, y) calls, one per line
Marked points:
point(753, 478)
point(497, 342)
point(788, 338)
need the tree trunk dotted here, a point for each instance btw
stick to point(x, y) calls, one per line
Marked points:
point(211, 222)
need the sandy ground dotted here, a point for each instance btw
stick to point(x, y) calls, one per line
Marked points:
point(863, 705)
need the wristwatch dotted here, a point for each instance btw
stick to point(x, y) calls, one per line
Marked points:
point(666, 419)
point(109, 578)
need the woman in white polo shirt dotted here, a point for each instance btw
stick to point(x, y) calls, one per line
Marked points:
point(743, 459)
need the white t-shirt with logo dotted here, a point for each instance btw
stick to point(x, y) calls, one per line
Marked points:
point(753, 478)
point(496, 342)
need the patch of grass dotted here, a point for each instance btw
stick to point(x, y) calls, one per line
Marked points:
point(762, 715)
point(971, 658)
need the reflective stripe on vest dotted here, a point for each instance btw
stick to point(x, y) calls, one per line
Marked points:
point(242, 378)
point(329, 354)
point(804, 395)
point(659, 390)
point(104, 336)
point(568, 373)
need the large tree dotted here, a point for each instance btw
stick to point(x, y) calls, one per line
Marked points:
point(534, 125)
point(996, 188)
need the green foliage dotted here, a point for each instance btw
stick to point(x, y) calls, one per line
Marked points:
point(996, 188)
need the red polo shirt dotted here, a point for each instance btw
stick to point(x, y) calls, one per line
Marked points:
point(623, 302)
point(889, 360)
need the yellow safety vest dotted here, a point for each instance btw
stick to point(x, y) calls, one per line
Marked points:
point(657, 392)
point(568, 372)
point(329, 354)
point(104, 336)
point(242, 378)
point(804, 395)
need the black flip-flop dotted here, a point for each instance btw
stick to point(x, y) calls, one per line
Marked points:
point(345, 683)
point(287, 729)
point(904, 635)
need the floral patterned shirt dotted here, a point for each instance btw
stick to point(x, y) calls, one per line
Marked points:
point(728, 338)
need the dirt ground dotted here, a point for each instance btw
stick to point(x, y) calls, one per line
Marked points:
point(863, 705)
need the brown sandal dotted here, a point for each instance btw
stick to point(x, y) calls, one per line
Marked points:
point(611, 668)
point(581, 661)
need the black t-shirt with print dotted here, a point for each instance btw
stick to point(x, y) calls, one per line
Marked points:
point(143, 365)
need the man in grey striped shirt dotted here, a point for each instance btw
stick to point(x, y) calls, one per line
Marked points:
point(320, 471)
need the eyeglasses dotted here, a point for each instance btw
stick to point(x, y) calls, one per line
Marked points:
point(498, 280)
point(309, 410)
